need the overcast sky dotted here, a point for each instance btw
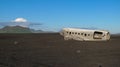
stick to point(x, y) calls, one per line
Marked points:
point(57, 14)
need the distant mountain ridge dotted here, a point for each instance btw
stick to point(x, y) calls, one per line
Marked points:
point(19, 29)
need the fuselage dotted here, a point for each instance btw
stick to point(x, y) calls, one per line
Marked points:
point(85, 34)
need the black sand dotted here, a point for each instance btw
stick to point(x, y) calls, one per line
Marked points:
point(50, 50)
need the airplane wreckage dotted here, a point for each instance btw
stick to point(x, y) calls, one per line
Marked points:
point(85, 34)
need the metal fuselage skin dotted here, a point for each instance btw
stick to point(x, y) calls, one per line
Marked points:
point(85, 34)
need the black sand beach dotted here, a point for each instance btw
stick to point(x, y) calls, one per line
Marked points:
point(51, 50)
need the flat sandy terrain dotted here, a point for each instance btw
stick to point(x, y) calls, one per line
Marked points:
point(50, 50)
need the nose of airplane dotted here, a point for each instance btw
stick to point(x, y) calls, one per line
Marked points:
point(108, 36)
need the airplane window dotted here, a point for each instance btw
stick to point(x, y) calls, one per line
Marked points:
point(81, 33)
point(69, 32)
point(78, 33)
point(88, 34)
point(85, 34)
point(75, 32)
point(72, 32)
